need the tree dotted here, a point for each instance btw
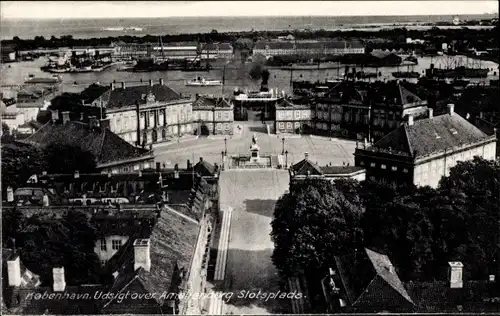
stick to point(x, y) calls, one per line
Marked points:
point(312, 224)
point(68, 242)
point(19, 162)
point(67, 158)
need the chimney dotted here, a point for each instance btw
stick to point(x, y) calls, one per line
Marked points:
point(10, 194)
point(58, 276)
point(77, 174)
point(112, 86)
point(123, 84)
point(431, 113)
point(456, 281)
point(201, 159)
point(54, 115)
point(65, 117)
point(141, 254)
point(150, 82)
point(104, 123)
point(451, 108)
point(176, 171)
point(306, 155)
point(14, 272)
point(158, 167)
point(410, 120)
point(92, 122)
point(45, 200)
point(161, 81)
point(189, 164)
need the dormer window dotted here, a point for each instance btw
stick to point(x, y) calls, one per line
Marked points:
point(437, 135)
point(453, 131)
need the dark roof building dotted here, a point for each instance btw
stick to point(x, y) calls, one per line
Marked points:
point(422, 151)
point(306, 169)
point(369, 283)
point(112, 153)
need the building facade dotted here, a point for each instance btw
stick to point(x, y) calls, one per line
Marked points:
point(308, 48)
point(216, 51)
point(146, 114)
point(293, 117)
point(358, 109)
point(422, 151)
point(213, 115)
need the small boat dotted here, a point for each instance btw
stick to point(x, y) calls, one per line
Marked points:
point(202, 82)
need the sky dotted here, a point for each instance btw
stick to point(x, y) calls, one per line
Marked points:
point(145, 9)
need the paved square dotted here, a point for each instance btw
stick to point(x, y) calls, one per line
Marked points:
point(321, 149)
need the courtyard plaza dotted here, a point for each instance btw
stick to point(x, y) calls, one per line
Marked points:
point(323, 150)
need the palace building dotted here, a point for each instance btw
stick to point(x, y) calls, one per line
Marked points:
point(422, 151)
point(146, 114)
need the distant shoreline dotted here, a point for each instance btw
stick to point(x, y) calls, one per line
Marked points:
point(485, 15)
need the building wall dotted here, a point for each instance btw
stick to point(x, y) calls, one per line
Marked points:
point(288, 120)
point(129, 167)
point(430, 172)
point(218, 121)
point(158, 122)
point(106, 252)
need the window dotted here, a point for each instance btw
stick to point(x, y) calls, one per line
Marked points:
point(405, 170)
point(281, 125)
point(116, 244)
point(362, 163)
point(383, 167)
point(103, 262)
point(372, 165)
point(103, 245)
point(394, 168)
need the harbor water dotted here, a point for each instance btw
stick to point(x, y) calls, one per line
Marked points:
point(236, 75)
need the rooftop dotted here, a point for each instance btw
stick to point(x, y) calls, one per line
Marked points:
point(172, 244)
point(365, 274)
point(106, 146)
point(120, 97)
point(306, 167)
point(430, 136)
point(211, 102)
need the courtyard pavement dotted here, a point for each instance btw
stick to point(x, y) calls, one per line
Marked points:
point(322, 150)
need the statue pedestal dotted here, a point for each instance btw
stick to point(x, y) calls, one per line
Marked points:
point(254, 153)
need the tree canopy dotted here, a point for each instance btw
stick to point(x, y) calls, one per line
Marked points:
point(420, 228)
point(69, 243)
point(311, 223)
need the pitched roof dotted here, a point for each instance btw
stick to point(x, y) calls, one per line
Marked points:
point(273, 45)
point(130, 95)
point(306, 167)
point(378, 53)
point(172, 243)
point(358, 271)
point(101, 142)
point(205, 169)
point(209, 101)
point(431, 135)
point(333, 170)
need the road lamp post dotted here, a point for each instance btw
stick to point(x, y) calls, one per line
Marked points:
point(222, 158)
point(286, 159)
point(225, 146)
point(283, 146)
